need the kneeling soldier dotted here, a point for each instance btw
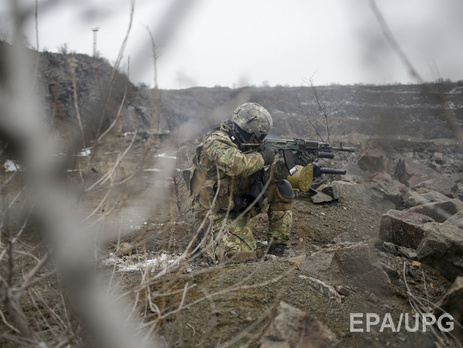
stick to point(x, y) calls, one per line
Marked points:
point(229, 184)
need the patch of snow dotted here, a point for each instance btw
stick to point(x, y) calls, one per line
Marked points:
point(133, 263)
point(11, 166)
point(164, 155)
point(84, 152)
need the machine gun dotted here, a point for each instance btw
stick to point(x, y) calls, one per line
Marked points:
point(291, 147)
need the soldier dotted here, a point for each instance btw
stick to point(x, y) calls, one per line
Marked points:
point(229, 185)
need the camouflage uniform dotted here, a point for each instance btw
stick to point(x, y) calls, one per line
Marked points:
point(221, 176)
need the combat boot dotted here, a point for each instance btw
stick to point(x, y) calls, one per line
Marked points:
point(280, 250)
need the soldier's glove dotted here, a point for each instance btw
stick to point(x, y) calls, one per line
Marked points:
point(304, 158)
point(268, 154)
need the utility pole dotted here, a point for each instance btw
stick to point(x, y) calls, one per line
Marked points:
point(95, 30)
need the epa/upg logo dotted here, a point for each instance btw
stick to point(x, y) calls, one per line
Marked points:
point(360, 322)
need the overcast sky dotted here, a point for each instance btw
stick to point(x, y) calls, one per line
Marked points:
point(254, 42)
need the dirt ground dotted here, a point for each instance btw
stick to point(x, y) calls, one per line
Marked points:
point(196, 304)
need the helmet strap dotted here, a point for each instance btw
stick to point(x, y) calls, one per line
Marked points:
point(237, 135)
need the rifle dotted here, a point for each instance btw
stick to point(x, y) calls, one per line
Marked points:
point(291, 147)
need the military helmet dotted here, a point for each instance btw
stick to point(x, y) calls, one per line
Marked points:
point(254, 119)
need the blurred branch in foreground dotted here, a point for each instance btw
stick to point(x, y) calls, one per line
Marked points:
point(450, 116)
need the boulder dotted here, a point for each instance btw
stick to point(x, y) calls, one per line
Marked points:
point(351, 265)
point(413, 198)
point(403, 227)
point(443, 185)
point(442, 249)
point(456, 220)
point(414, 174)
point(292, 327)
point(439, 211)
point(380, 196)
point(357, 192)
point(392, 192)
point(452, 303)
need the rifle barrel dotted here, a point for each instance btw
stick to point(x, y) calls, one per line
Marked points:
point(325, 154)
point(332, 171)
point(342, 148)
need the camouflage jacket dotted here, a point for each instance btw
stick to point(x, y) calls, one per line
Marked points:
point(221, 168)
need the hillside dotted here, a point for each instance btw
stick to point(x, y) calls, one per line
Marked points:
point(102, 93)
point(384, 110)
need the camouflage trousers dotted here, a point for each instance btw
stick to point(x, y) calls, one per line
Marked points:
point(227, 235)
point(230, 233)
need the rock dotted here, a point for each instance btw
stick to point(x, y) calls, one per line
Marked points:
point(392, 192)
point(435, 166)
point(456, 220)
point(296, 260)
point(457, 177)
point(442, 185)
point(409, 170)
point(324, 289)
point(439, 211)
point(321, 197)
point(345, 237)
point(403, 227)
point(412, 173)
point(354, 191)
point(330, 190)
point(352, 266)
point(385, 177)
point(414, 198)
point(438, 157)
point(381, 196)
point(292, 327)
point(452, 303)
point(125, 248)
point(442, 249)
point(391, 272)
point(342, 290)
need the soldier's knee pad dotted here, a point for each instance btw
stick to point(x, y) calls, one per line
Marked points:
point(286, 190)
point(282, 196)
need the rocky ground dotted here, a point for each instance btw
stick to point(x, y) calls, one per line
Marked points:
point(337, 266)
point(334, 242)
point(232, 305)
